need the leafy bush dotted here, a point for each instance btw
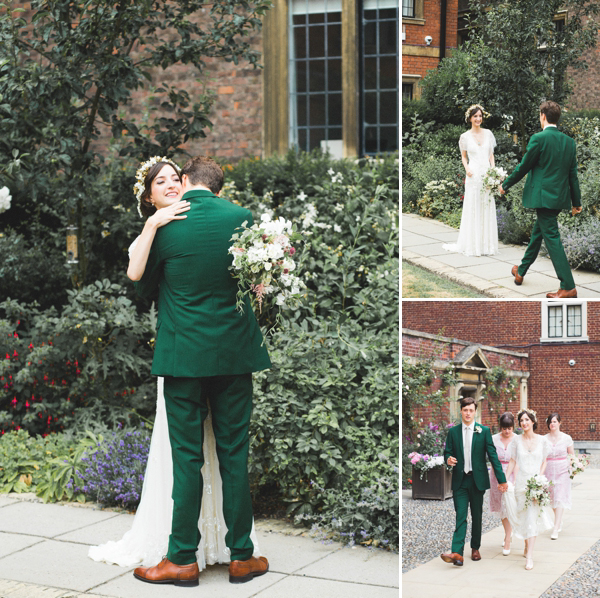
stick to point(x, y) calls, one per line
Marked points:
point(582, 244)
point(91, 362)
point(440, 196)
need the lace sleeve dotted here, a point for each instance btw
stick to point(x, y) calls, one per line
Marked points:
point(133, 245)
point(462, 142)
point(546, 447)
point(568, 441)
point(492, 140)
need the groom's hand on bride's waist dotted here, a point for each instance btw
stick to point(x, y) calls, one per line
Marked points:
point(452, 461)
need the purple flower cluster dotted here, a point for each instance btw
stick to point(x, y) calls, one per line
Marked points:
point(114, 475)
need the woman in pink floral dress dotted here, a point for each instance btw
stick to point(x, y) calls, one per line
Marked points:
point(502, 442)
point(558, 470)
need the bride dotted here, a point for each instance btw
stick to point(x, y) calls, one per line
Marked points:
point(158, 191)
point(528, 452)
point(478, 234)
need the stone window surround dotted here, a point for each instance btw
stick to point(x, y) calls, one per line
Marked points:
point(564, 338)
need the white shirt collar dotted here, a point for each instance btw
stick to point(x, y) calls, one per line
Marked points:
point(550, 125)
point(471, 426)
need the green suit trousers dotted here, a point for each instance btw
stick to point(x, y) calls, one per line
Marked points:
point(187, 401)
point(546, 229)
point(466, 495)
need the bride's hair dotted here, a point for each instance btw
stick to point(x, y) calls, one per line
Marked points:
point(531, 414)
point(146, 208)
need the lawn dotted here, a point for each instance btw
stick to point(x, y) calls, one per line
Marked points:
point(419, 283)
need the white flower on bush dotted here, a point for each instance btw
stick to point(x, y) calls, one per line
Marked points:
point(337, 228)
point(434, 462)
point(5, 198)
point(302, 196)
point(309, 217)
point(336, 177)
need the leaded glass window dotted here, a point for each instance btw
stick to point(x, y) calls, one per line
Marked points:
point(379, 74)
point(408, 8)
point(555, 326)
point(574, 320)
point(316, 74)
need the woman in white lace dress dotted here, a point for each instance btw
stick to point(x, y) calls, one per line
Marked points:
point(478, 234)
point(558, 470)
point(159, 193)
point(528, 452)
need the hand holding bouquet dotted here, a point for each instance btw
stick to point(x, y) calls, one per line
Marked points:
point(493, 179)
point(578, 464)
point(537, 491)
point(263, 262)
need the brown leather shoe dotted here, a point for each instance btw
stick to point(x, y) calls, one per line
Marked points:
point(243, 571)
point(168, 572)
point(452, 557)
point(518, 277)
point(475, 556)
point(563, 294)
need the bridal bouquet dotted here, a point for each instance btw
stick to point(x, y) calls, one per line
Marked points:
point(578, 464)
point(263, 262)
point(537, 491)
point(493, 178)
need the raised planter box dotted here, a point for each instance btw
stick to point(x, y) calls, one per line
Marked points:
point(436, 485)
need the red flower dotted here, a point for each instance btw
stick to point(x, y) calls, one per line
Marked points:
point(410, 481)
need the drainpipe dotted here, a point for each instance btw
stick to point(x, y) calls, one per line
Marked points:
point(443, 10)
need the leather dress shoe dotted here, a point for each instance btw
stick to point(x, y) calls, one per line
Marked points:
point(168, 572)
point(518, 277)
point(452, 557)
point(475, 556)
point(563, 294)
point(243, 571)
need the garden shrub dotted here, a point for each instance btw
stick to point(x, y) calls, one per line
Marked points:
point(440, 196)
point(581, 241)
point(91, 362)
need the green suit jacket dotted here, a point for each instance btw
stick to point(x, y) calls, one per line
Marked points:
point(199, 332)
point(482, 445)
point(551, 161)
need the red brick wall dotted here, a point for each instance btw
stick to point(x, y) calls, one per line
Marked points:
point(415, 36)
point(553, 385)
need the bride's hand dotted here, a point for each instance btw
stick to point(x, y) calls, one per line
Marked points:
point(172, 212)
point(469, 172)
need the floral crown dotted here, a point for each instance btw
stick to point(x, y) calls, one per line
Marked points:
point(529, 412)
point(140, 177)
point(468, 112)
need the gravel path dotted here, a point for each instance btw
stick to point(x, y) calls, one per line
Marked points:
point(427, 527)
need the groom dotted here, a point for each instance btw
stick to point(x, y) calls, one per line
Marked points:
point(206, 350)
point(552, 186)
point(466, 447)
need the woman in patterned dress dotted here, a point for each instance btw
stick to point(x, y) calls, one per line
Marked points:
point(502, 442)
point(558, 470)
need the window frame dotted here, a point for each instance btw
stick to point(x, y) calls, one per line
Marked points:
point(546, 305)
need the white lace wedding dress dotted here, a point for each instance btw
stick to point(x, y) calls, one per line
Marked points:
point(147, 541)
point(478, 234)
point(533, 520)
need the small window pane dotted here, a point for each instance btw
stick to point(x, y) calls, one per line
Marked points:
point(388, 107)
point(370, 15)
point(334, 40)
point(317, 75)
point(299, 19)
point(317, 111)
point(335, 133)
point(371, 38)
point(555, 321)
point(300, 42)
point(334, 17)
point(302, 119)
point(388, 139)
point(408, 8)
point(388, 73)
point(302, 139)
point(371, 108)
point(407, 91)
point(316, 136)
point(318, 17)
point(371, 145)
point(301, 67)
point(389, 13)
point(335, 109)
point(387, 37)
point(316, 42)
point(370, 73)
point(574, 320)
point(334, 71)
